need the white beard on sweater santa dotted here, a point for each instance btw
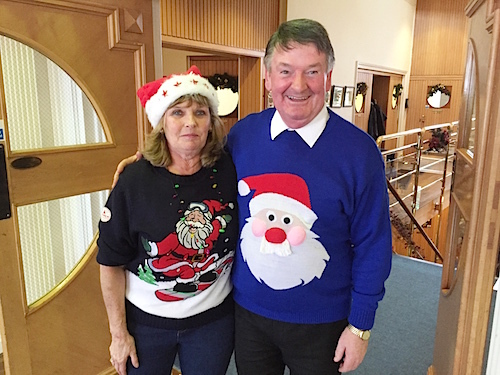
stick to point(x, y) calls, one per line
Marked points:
point(277, 242)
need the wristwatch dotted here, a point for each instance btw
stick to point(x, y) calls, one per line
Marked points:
point(363, 335)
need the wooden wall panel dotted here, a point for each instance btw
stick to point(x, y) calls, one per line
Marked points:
point(440, 41)
point(399, 245)
point(210, 65)
point(420, 114)
point(246, 24)
point(431, 230)
point(238, 29)
point(438, 56)
point(251, 86)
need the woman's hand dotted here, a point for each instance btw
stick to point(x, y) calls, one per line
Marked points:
point(122, 347)
point(121, 166)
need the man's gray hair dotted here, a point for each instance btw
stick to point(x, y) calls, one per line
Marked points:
point(302, 31)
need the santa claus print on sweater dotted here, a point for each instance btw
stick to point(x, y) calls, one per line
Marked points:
point(277, 242)
point(185, 257)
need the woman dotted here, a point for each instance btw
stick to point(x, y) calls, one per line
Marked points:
point(167, 238)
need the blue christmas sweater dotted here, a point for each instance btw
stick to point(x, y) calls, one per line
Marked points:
point(315, 241)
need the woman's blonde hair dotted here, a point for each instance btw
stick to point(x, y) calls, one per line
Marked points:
point(156, 149)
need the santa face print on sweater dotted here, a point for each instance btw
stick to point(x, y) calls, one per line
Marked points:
point(277, 242)
point(185, 262)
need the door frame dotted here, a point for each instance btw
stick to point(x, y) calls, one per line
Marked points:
point(385, 71)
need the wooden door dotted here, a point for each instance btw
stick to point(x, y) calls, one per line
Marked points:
point(361, 117)
point(394, 104)
point(474, 221)
point(52, 317)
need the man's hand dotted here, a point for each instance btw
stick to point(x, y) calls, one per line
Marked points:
point(123, 164)
point(121, 349)
point(351, 349)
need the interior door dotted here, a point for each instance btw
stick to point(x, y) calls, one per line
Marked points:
point(459, 226)
point(474, 223)
point(68, 75)
point(395, 102)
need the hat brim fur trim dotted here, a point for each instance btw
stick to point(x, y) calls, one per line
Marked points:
point(273, 201)
point(175, 87)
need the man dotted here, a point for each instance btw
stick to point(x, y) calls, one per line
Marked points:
point(315, 246)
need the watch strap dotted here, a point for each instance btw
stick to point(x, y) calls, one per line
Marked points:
point(362, 334)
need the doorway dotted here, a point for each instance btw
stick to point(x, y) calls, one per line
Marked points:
point(381, 90)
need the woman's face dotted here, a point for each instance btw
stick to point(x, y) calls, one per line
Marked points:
point(186, 127)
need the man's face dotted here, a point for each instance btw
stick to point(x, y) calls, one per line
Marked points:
point(196, 216)
point(298, 80)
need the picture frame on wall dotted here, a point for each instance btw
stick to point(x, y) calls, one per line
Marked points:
point(348, 96)
point(337, 96)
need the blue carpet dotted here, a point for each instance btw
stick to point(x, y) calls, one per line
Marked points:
point(402, 340)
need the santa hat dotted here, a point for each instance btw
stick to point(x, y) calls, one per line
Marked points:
point(279, 191)
point(208, 207)
point(158, 95)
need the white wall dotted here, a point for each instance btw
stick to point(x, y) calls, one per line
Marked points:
point(378, 33)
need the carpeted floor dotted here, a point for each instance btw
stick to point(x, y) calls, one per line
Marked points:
point(402, 340)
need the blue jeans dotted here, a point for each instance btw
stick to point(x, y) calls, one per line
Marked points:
point(202, 350)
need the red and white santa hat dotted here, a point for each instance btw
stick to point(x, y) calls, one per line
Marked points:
point(158, 95)
point(279, 191)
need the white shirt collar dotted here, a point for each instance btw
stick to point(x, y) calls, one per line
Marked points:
point(309, 133)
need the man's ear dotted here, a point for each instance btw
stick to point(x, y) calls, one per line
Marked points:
point(268, 80)
point(328, 84)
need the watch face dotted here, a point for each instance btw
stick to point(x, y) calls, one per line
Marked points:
point(365, 335)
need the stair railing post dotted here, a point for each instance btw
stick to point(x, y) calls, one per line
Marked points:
point(418, 158)
point(443, 189)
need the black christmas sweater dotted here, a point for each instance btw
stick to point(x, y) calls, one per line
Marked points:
point(176, 236)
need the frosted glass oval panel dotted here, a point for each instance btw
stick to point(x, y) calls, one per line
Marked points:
point(45, 107)
point(55, 235)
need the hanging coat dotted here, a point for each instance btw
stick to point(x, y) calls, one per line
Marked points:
point(376, 121)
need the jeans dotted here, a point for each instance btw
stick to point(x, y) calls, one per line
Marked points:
point(264, 346)
point(202, 350)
